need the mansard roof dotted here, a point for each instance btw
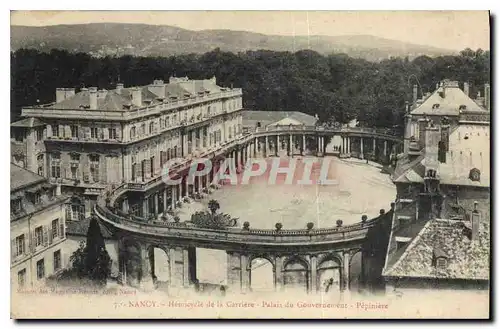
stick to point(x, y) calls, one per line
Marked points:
point(447, 100)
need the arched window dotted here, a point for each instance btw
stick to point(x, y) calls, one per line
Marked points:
point(132, 133)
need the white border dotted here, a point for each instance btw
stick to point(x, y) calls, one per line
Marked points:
point(193, 5)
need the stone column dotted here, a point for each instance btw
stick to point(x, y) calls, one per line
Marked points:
point(278, 273)
point(165, 205)
point(125, 206)
point(145, 210)
point(343, 145)
point(155, 198)
point(174, 195)
point(291, 145)
point(255, 145)
point(233, 270)
point(362, 152)
point(314, 274)
point(374, 145)
point(185, 181)
point(278, 145)
point(266, 148)
point(245, 274)
point(348, 144)
point(146, 275)
point(303, 145)
point(179, 267)
point(385, 148)
point(345, 272)
point(185, 263)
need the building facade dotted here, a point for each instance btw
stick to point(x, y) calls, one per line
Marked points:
point(91, 139)
point(440, 235)
point(37, 227)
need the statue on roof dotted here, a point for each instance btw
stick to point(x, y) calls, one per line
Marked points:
point(445, 120)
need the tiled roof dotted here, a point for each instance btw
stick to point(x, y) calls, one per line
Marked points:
point(250, 118)
point(80, 228)
point(466, 259)
point(453, 98)
point(28, 123)
point(175, 90)
point(409, 171)
point(20, 177)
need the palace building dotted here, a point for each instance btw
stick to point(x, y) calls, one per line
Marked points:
point(37, 226)
point(91, 139)
point(441, 227)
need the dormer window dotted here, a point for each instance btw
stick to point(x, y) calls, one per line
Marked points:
point(440, 259)
point(475, 175)
point(462, 107)
point(435, 106)
point(466, 136)
point(441, 263)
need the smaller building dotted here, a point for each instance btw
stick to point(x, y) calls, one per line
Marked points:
point(37, 228)
point(446, 254)
point(440, 235)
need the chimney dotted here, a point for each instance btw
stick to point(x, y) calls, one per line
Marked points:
point(466, 88)
point(415, 93)
point(137, 97)
point(64, 93)
point(93, 98)
point(444, 143)
point(475, 219)
point(445, 136)
point(119, 87)
point(432, 138)
point(102, 93)
point(487, 96)
point(422, 124)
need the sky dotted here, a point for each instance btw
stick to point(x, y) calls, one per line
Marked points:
point(444, 29)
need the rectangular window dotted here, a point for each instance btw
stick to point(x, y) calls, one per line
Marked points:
point(40, 164)
point(94, 167)
point(55, 165)
point(93, 132)
point(38, 236)
point(152, 165)
point(37, 198)
point(57, 260)
point(55, 130)
point(21, 277)
point(40, 269)
point(55, 228)
point(15, 205)
point(74, 131)
point(112, 133)
point(134, 168)
point(39, 134)
point(20, 245)
point(143, 129)
point(19, 135)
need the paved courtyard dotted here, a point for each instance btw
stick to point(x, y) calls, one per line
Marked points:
point(361, 189)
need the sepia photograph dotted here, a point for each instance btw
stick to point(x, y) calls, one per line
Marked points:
point(250, 164)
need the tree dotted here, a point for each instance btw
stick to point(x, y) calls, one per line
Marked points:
point(278, 226)
point(97, 264)
point(213, 205)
